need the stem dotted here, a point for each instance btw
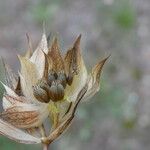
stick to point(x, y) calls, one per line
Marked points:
point(45, 146)
point(42, 130)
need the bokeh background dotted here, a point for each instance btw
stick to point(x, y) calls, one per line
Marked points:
point(118, 117)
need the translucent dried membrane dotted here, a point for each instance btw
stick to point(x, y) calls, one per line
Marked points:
point(48, 84)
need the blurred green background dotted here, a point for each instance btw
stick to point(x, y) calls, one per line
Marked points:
point(118, 117)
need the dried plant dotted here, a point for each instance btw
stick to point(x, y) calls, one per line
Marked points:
point(48, 87)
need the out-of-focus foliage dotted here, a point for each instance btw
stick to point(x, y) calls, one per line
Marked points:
point(9, 145)
point(120, 12)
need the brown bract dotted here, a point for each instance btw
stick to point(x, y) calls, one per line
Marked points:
point(48, 85)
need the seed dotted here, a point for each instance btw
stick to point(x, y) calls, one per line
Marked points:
point(52, 76)
point(56, 91)
point(62, 79)
point(40, 94)
point(43, 84)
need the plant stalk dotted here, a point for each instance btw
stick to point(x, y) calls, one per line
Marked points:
point(45, 146)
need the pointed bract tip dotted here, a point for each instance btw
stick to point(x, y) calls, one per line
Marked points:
point(19, 57)
point(49, 37)
point(105, 59)
point(102, 62)
point(28, 37)
point(55, 43)
point(77, 42)
point(30, 48)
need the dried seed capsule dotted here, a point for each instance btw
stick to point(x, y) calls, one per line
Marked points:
point(55, 75)
point(40, 94)
point(52, 76)
point(43, 84)
point(56, 91)
point(62, 79)
point(70, 79)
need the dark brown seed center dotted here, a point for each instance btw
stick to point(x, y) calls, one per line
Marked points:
point(57, 83)
point(52, 89)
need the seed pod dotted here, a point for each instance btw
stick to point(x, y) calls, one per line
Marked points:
point(52, 76)
point(43, 84)
point(40, 94)
point(62, 79)
point(70, 79)
point(56, 91)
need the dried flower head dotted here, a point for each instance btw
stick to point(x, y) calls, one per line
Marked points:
point(49, 85)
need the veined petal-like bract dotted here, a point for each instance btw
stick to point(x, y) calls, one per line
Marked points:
point(47, 85)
